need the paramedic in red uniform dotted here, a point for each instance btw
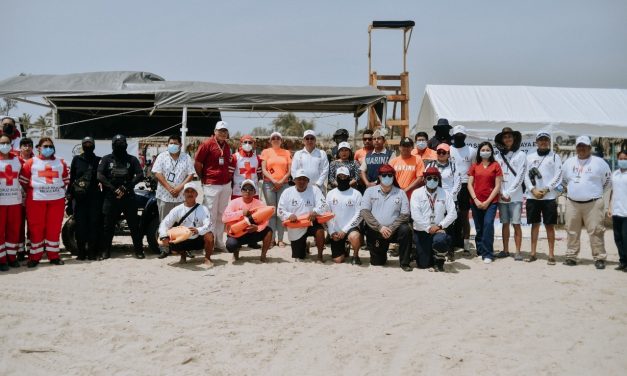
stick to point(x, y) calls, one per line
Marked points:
point(45, 179)
point(10, 205)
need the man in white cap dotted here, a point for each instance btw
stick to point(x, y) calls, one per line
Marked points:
point(542, 181)
point(214, 166)
point(197, 219)
point(303, 199)
point(345, 203)
point(587, 178)
point(374, 159)
point(462, 156)
point(312, 160)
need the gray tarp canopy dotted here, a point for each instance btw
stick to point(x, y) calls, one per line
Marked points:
point(178, 94)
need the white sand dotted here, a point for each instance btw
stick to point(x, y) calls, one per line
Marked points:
point(139, 317)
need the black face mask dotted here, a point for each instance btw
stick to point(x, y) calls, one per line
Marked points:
point(8, 129)
point(459, 140)
point(542, 153)
point(119, 149)
point(89, 150)
point(343, 184)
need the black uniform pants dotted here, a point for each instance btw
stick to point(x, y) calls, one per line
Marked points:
point(112, 208)
point(88, 217)
point(379, 245)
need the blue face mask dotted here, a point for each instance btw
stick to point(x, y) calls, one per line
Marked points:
point(432, 184)
point(387, 180)
point(5, 148)
point(174, 148)
point(622, 164)
point(47, 151)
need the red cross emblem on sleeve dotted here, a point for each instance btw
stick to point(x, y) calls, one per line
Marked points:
point(8, 174)
point(49, 174)
point(247, 170)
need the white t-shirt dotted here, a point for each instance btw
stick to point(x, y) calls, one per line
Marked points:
point(174, 171)
point(298, 203)
point(315, 164)
point(550, 167)
point(586, 179)
point(346, 206)
point(512, 185)
point(463, 158)
point(424, 216)
point(199, 218)
point(619, 195)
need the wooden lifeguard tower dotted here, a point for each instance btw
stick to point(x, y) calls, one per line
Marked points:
point(395, 86)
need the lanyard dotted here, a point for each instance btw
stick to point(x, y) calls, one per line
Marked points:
point(175, 163)
point(432, 200)
point(581, 167)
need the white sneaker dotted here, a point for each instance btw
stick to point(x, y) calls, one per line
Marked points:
point(487, 261)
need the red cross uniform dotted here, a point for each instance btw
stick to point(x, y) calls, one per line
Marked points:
point(45, 181)
point(10, 208)
point(245, 168)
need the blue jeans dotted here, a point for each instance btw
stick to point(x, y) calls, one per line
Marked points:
point(484, 225)
point(620, 237)
point(272, 199)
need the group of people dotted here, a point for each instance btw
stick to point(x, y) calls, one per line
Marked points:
point(419, 200)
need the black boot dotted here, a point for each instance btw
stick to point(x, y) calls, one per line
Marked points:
point(140, 254)
point(57, 262)
point(4, 267)
point(32, 263)
point(105, 254)
point(14, 264)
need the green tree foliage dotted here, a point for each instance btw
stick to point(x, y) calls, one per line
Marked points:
point(261, 131)
point(290, 125)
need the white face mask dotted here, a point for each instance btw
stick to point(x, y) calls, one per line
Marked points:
point(432, 184)
point(387, 180)
point(5, 148)
point(622, 164)
point(247, 147)
point(422, 145)
point(485, 154)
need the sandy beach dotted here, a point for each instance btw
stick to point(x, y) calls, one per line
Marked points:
point(137, 317)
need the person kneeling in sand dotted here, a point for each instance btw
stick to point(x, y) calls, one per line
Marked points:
point(303, 200)
point(344, 202)
point(194, 218)
point(240, 209)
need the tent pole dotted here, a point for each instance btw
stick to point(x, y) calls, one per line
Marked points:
point(184, 129)
point(355, 134)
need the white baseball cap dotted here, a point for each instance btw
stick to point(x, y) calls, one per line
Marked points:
point(541, 134)
point(222, 125)
point(343, 145)
point(342, 170)
point(459, 129)
point(248, 181)
point(309, 132)
point(274, 134)
point(583, 140)
point(300, 173)
point(191, 185)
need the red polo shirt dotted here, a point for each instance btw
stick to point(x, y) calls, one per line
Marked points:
point(209, 155)
point(485, 179)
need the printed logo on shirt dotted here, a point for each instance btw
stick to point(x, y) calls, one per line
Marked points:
point(335, 201)
point(349, 203)
point(397, 200)
point(295, 202)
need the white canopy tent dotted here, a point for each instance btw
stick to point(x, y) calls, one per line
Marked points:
point(485, 110)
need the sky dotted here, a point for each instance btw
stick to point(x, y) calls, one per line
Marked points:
point(569, 43)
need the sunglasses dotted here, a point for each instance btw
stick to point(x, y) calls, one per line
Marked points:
point(388, 175)
point(275, 138)
point(27, 146)
point(442, 152)
point(367, 139)
point(248, 189)
point(432, 178)
point(248, 142)
point(309, 138)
